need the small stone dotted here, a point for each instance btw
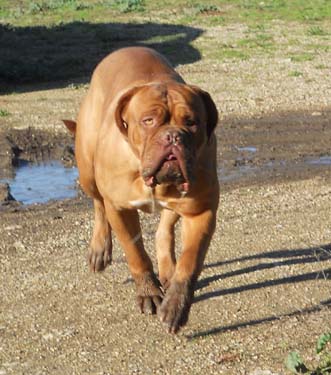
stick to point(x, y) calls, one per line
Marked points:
point(48, 336)
point(13, 227)
point(19, 246)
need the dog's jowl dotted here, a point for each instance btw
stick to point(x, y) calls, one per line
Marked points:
point(145, 139)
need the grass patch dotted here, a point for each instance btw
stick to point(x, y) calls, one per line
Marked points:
point(321, 66)
point(227, 53)
point(294, 10)
point(318, 47)
point(243, 49)
point(302, 57)
point(206, 9)
point(188, 12)
point(316, 31)
point(263, 41)
point(128, 6)
point(296, 365)
point(295, 73)
point(35, 7)
point(4, 113)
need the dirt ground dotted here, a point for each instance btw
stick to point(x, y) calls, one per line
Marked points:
point(265, 288)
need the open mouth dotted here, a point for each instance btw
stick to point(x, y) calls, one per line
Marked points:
point(169, 168)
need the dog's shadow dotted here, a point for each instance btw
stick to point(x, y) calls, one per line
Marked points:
point(281, 258)
point(68, 53)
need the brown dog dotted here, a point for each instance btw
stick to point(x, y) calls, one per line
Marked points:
point(144, 140)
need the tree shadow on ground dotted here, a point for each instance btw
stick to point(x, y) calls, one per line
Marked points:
point(62, 54)
point(292, 257)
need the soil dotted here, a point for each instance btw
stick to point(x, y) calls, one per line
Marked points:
point(265, 288)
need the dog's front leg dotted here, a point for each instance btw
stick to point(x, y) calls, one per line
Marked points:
point(196, 235)
point(125, 224)
point(165, 246)
point(100, 251)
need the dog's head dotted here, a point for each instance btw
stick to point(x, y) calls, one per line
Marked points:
point(166, 125)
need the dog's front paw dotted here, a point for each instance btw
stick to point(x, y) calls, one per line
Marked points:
point(149, 293)
point(175, 308)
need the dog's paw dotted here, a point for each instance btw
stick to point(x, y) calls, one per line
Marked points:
point(149, 293)
point(175, 308)
point(99, 259)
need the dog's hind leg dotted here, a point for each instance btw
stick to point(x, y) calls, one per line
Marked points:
point(100, 251)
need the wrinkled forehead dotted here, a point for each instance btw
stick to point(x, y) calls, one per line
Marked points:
point(158, 92)
point(169, 96)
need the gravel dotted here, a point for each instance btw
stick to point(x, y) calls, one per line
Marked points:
point(265, 289)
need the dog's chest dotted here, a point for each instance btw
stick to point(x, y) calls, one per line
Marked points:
point(148, 205)
point(151, 200)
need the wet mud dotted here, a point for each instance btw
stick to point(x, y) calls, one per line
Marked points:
point(22, 148)
point(276, 147)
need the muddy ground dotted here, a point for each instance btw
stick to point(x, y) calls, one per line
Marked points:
point(265, 288)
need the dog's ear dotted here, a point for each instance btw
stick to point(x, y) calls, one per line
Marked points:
point(71, 125)
point(122, 104)
point(211, 110)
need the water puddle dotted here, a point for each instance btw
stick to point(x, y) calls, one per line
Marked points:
point(246, 149)
point(323, 160)
point(230, 175)
point(40, 183)
point(251, 171)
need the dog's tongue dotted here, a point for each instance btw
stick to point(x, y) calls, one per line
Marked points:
point(186, 187)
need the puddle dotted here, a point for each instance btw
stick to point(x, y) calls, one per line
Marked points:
point(231, 175)
point(323, 160)
point(246, 149)
point(239, 172)
point(40, 183)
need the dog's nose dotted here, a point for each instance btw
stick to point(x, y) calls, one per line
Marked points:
point(173, 137)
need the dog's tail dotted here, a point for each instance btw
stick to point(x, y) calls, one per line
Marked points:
point(71, 125)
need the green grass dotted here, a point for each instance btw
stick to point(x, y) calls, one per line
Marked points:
point(128, 6)
point(4, 113)
point(224, 53)
point(202, 8)
point(47, 12)
point(316, 31)
point(297, 365)
point(295, 73)
point(301, 57)
point(263, 41)
point(318, 47)
point(321, 66)
point(43, 6)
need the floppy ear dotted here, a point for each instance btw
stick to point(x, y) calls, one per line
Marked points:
point(211, 110)
point(122, 104)
point(71, 125)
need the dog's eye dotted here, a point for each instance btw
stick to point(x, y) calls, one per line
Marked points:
point(189, 122)
point(148, 121)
